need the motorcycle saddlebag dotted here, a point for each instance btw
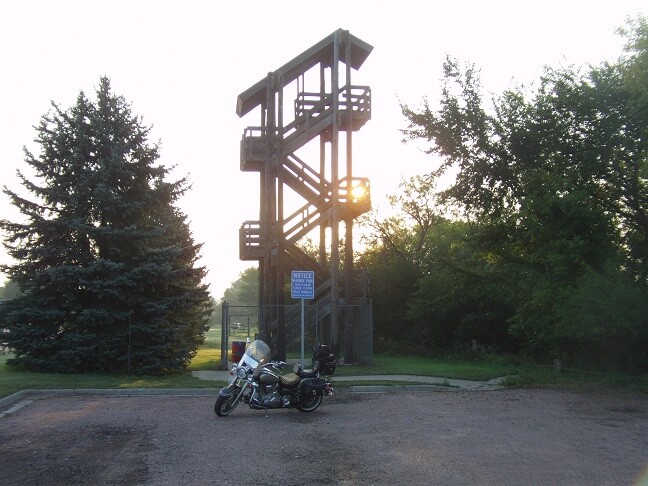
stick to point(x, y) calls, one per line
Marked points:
point(327, 364)
point(309, 384)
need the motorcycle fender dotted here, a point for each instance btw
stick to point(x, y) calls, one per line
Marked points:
point(228, 390)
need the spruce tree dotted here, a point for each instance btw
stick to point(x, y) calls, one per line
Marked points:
point(106, 263)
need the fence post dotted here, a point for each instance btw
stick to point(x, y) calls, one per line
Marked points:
point(224, 333)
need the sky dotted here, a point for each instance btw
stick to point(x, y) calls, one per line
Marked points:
point(182, 64)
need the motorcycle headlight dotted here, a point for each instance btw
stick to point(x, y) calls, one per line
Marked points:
point(242, 372)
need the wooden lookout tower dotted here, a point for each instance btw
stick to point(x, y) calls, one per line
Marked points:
point(302, 151)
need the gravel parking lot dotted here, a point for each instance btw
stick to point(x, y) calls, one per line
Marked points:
point(442, 437)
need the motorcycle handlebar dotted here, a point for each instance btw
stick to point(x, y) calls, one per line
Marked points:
point(277, 364)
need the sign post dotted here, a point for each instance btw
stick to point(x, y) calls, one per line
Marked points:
point(302, 286)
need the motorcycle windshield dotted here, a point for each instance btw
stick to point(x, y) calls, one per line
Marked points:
point(258, 351)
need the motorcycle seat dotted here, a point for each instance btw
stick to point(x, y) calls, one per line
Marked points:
point(289, 379)
point(308, 373)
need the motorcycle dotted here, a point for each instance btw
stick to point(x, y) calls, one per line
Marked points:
point(263, 384)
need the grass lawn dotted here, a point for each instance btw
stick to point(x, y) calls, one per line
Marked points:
point(398, 365)
point(209, 354)
point(547, 377)
point(13, 379)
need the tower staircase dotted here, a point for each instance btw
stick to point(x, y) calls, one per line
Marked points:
point(270, 149)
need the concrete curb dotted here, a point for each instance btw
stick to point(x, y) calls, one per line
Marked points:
point(8, 401)
point(494, 384)
point(419, 384)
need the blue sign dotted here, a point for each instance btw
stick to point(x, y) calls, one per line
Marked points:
point(302, 284)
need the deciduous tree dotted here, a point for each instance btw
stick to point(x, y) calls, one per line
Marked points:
point(563, 171)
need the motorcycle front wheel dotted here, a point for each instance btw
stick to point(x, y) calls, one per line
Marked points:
point(225, 405)
point(310, 402)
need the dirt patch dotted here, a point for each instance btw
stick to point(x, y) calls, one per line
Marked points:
point(502, 437)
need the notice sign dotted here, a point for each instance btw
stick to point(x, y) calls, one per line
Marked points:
point(302, 284)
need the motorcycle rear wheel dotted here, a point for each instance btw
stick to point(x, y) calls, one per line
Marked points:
point(311, 402)
point(225, 405)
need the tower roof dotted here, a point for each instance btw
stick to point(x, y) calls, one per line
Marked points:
point(322, 52)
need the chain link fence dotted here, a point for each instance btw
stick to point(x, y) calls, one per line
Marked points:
point(282, 329)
